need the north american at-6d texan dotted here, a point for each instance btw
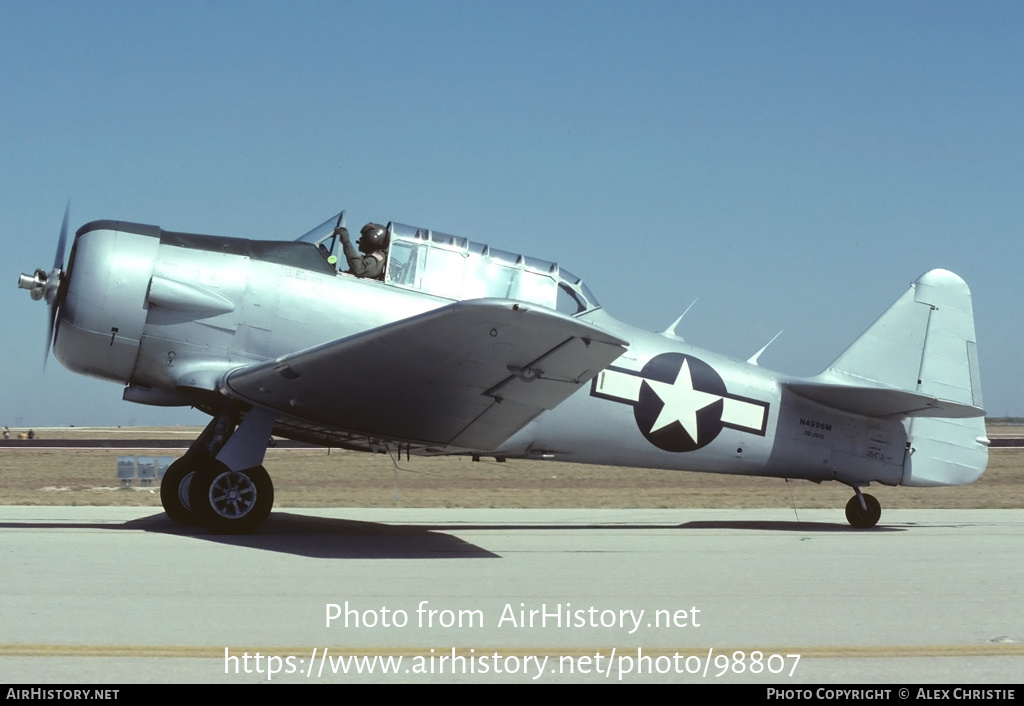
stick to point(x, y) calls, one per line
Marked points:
point(460, 348)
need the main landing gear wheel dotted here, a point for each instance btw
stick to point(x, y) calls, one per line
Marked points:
point(230, 502)
point(174, 492)
point(861, 518)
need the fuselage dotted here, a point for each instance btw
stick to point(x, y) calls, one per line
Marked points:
point(667, 404)
point(170, 314)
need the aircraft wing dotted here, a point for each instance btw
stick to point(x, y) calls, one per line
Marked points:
point(882, 401)
point(466, 376)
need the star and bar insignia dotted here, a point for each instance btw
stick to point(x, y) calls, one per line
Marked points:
point(680, 403)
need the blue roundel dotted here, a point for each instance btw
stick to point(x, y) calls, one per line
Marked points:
point(680, 402)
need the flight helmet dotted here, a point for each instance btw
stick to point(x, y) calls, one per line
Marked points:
point(372, 238)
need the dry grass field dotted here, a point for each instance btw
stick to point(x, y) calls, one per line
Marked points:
point(318, 478)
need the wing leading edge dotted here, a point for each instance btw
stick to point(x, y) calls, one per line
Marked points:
point(465, 376)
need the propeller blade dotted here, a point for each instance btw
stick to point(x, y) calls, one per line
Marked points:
point(58, 260)
point(49, 334)
point(57, 272)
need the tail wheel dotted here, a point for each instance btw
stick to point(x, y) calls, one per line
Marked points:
point(230, 502)
point(174, 493)
point(861, 518)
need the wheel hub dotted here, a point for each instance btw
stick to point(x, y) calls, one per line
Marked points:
point(232, 495)
point(183, 489)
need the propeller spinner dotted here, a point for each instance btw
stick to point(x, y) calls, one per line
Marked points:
point(43, 285)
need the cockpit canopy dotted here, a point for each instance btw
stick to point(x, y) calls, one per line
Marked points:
point(456, 268)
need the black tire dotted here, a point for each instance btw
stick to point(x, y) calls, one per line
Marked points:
point(174, 493)
point(231, 502)
point(860, 518)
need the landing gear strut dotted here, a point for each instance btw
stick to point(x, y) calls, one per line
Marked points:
point(863, 510)
point(220, 483)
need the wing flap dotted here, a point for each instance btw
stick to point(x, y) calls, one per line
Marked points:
point(492, 427)
point(550, 378)
point(468, 375)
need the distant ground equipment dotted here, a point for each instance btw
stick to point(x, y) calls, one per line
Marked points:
point(144, 468)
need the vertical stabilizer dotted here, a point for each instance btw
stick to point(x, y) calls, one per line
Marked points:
point(925, 343)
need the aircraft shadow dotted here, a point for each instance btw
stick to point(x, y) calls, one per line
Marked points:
point(331, 538)
point(314, 537)
point(784, 526)
point(294, 525)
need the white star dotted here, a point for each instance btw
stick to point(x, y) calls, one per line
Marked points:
point(681, 402)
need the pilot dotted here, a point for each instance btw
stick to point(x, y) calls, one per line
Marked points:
point(372, 241)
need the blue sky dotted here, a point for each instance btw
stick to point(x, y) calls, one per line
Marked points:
point(792, 165)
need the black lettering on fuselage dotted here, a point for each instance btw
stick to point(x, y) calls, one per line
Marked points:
point(813, 423)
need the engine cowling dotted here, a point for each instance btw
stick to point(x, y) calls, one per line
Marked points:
point(104, 311)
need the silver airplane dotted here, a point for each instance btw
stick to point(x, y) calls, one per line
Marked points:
point(464, 349)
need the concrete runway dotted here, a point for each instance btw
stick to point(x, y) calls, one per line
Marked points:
point(121, 595)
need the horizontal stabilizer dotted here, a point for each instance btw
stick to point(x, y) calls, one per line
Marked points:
point(882, 402)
